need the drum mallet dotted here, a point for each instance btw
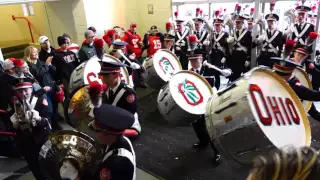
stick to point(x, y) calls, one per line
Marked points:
point(133, 65)
point(224, 72)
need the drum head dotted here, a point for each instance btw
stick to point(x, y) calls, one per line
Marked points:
point(302, 76)
point(190, 91)
point(73, 145)
point(78, 109)
point(85, 73)
point(166, 64)
point(277, 110)
point(124, 72)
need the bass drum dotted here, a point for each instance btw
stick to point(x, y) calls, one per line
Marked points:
point(184, 98)
point(85, 73)
point(302, 76)
point(255, 114)
point(124, 72)
point(161, 67)
point(78, 110)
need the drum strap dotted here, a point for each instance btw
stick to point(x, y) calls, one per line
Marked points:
point(237, 41)
point(216, 43)
point(203, 34)
point(299, 35)
point(118, 96)
point(123, 153)
point(268, 43)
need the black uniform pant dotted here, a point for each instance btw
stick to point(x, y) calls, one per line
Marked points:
point(30, 151)
point(236, 64)
point(314, 113)
point(184, 61)
point(199, 127)
point(264, 59)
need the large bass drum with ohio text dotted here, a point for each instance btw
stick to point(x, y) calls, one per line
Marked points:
point(255, 114)
point(303, 78)
point(80, 149)
point(85, 73)
point(161, 67)
point(183, 99)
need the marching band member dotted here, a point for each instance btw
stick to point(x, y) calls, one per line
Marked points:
point(31, 122)
point(272, 41)
point(168, 42)
point(241, 53)
point(118, 93)
point(181, 46)
point(200, 33)
point(119, 160)
point(220, 48)
point(302, 28)
point(152, 41)
point(284, 67)
point(197, 66)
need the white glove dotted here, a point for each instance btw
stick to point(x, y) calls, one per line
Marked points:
point(132, 56)
point(230, 39)
point(205, 63)
point(34, 116)
point(206, 43)
point(68, 171)
point(247, 63)
point(178, 48)
point(261, 38)
point(223, 60)
point(226, 72)
point(14, 121)
point(134, 65)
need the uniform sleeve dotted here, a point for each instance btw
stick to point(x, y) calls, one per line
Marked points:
point(249, 46)
point(116, 168)
point(305, 93)
point(280, 42)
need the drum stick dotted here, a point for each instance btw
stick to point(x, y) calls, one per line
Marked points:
point(132, 64)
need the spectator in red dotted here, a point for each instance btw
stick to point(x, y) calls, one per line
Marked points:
point(152, 41)
point(111, 35)
point(134, 41)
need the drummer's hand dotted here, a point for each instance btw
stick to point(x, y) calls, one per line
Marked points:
point(46, 88)
point(311, 66)
point(134, 65)
point(132, 56)
point(178, 48)
point(68, 171)
point(223, 60)
point(247, 63)
point(226, 72)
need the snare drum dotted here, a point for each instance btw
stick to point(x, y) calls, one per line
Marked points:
point(85, 73)
point(184, 97)
point(255, 114)
point(161, 67)
point(124, 72)
point(303, 78)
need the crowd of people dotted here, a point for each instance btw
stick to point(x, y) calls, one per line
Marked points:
point(33, 87)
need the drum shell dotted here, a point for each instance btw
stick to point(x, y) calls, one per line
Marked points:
point(153, 80)
point(304, 79)
point(239, 139)
point(171, 111)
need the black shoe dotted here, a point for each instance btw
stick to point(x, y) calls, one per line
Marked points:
point(216, 159)
point(199, 145)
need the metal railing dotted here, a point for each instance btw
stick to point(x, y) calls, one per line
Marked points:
point(30, 26)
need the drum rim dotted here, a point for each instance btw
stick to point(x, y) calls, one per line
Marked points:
point(66, 108)
point(200, 77)
point(296, 100)
point(118, 60)
point(309, 84)
point(177, 59)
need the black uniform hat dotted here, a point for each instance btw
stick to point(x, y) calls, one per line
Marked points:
point(239, 17)
point(111, 119)
point(111, 67)
point(22, 83)
point(272, 17)
point(284, 66)
point(168, 36)
point(218, 18)
point(303, 9)
point(118, 44)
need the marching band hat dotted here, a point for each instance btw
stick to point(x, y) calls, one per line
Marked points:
point(250, 20)
point(218, 21)
point(168, 36)
point(22, 83)
point(272, 17)
point(110, 67)
point(312, 15)
point(118, 44)
point(178, 20)
point(239, 18)
point(199, 19)
point(194, 57)
point(306, 50)
point(284, 67)
point(111, 119)
point(303, 9)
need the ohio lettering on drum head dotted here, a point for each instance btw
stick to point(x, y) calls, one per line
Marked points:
point(270, 109)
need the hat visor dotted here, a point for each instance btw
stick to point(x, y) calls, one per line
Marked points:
point(94, 127)
point(302, 51)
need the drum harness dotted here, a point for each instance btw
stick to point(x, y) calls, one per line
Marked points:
point(268, 42)
point(299, 36)
point(123, 153)
point(216, 43)
point(203, 34)
point(237, 41)
point(181, 41)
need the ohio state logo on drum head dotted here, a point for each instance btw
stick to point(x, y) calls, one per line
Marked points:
point(190, 91)
point(166, 64)
point(278, 111)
